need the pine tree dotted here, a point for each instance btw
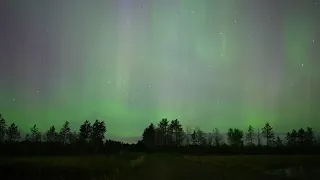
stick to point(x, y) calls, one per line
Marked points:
point(217, 137)
point(267, 132)
point(85, 132)
point(13, 134)
point(235, 137)
point(250, 135)
point(65, 133)
point(278, 142)
point(3, 127)
point(149, 137)
point(35, 134)
point(97, 135)
point(51, 135)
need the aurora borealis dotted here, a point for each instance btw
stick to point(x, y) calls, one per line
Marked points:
point(209, 63)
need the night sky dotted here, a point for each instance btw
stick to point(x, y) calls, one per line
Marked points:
point(209, 63)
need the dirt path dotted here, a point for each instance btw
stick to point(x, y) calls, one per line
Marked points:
point(167, 167)
point(155, 167)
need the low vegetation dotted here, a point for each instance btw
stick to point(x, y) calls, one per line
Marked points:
point(166, 151)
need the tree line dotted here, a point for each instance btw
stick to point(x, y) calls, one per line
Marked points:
point(171, 136)
point(166, 136)
point(89, 139)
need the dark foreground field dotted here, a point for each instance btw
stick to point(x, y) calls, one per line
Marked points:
point(161, 167)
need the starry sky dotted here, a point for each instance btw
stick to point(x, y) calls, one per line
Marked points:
point(209, 63)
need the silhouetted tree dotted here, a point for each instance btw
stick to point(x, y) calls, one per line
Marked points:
point(278, 142)
point(217, 137)
point(267, 132)
point(51, 135)
point(3, 127)
point(200, 137)
point(158, 137)
point(309, 137)
point(301, 137)
point(177, 132)
point(187, 135)
point(258, 138)
point(149, 137)
point(210, 139)
point(170, 136)
point(194, 138)
point(115, 146)
point(235, 138)
point(35, 134)
point(292, 138)
point(250, 136)
point(34, 137)
point(13, 134)
point(27, 137)
point(98, 131)
point(85, 132)
point(74, 137)
point(65, 132)
point(163, 134)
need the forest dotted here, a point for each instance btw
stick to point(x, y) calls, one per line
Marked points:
point(166, 136)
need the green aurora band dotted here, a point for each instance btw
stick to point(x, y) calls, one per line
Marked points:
point(211, 64)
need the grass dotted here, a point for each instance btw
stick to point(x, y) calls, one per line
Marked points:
point(154, 166)
point(252, 167)
point(257, 161)
point(77, 167)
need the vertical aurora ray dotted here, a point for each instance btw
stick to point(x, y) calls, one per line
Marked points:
point(299, 31)
point(125, 42)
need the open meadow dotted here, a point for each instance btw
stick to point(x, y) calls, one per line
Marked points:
point(162, 166)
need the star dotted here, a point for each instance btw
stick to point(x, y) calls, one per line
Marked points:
point(149, 86)
point(302, 65)
point(221, 33)
point(210, 66)
point(123, 81)
point(13, 99)
point(142, 5)
point(108, 82)
point(313, 40)
point(235, 21)
point(38, 91)
point(292, 84)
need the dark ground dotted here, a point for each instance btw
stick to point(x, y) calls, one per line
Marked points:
point(135, 166)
